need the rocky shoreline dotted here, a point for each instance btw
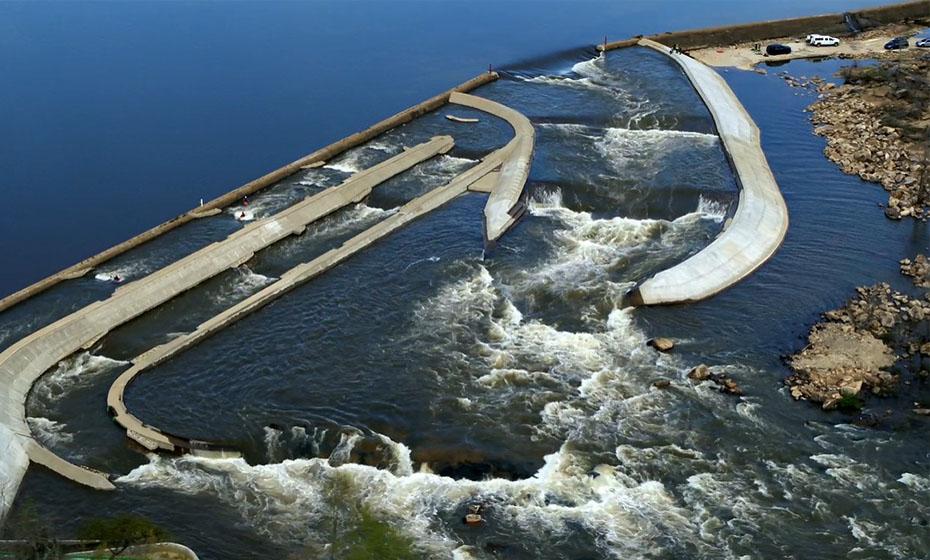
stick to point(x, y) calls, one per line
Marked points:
point(876, 125)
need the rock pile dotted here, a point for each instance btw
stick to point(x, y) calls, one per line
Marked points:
point(804, 82)
point(724, 383)
point(918, 270)
point(876, 127)
point(850, 352)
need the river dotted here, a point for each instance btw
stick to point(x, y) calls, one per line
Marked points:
point(423, 375)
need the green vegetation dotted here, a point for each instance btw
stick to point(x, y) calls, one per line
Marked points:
point(356, 532)
point(34, 539)
point(369, 539)
point(850, 403)
point(116, 534)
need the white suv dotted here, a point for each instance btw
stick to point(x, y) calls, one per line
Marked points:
point(824, 41)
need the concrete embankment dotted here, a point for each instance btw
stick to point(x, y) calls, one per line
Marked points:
point(211, 207)
point(491, 170)
point(25, 361)
point(834, 24)
point(761, 220)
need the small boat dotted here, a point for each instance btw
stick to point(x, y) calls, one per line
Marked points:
point(453, 118)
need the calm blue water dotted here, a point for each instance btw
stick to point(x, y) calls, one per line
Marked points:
point(118, 116)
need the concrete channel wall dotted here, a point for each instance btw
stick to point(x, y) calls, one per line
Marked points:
point(761, 220)
point(25, 361)
point(504, 206)
point(514, 156)
point(214, 206)
point(793, 27)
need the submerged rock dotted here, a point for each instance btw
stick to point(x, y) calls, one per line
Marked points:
point(699, 373)
point(725, 384)
point(661, 344)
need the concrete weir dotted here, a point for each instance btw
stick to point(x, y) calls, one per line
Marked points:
point(502, 172)
point(505, 170)
point(761, 220)
point(25, 361)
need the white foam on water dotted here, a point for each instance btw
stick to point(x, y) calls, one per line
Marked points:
point(272, 441)
point(79, 370)
point(49, 432)
point(401, 464)
point(286, 501)
point(584, 83)
point(348, 165)
point(124, 271)
point(347, 220)
point(244, 283)
point(360, 158)
point(466, 552)
point(589, 248)
point(621, 146)
point(452, 164)
point(712, 209)
point(849, 473)
point(915, 482)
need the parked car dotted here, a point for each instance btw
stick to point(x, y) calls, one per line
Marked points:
point(811, 37)
point(776, 49)
point(923, 43)
point(896, 43)
point(824, 41)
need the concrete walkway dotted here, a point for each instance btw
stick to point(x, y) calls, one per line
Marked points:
point(25, 361)
point(492, 169)
point(504, 206)
point(761, 219)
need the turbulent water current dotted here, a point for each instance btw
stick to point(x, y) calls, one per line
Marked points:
point(425, 375)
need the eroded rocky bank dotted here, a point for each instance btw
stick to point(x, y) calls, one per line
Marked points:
point(876, 124)
point(863, 348)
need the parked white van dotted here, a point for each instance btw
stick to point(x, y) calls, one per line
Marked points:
point(824, 41)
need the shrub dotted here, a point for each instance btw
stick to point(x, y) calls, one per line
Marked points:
point(119, 533)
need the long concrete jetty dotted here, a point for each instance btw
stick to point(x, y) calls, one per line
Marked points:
point(505, 203)
point(25, 361)
point(492, 170)
point(761, 220)
point(267, 180)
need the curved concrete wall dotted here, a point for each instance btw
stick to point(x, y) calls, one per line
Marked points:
point(761, 220)
point(231, 197)
point(504, 207)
